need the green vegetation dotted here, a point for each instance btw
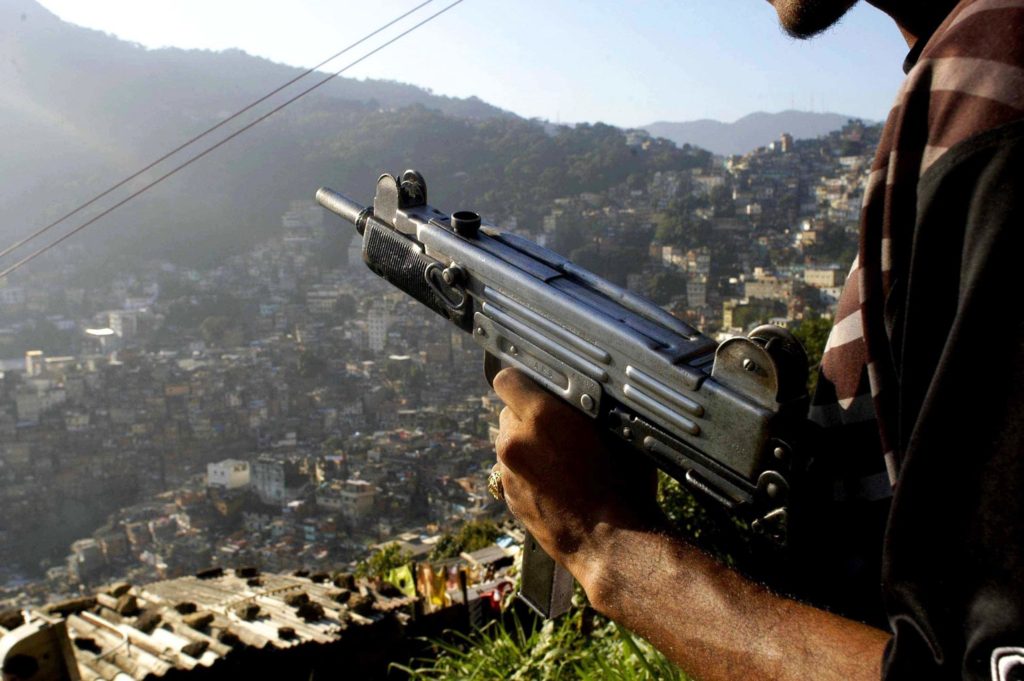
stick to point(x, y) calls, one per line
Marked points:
point(679, 226)
point(496, 166)
point(218, 311)
point(383, 561)
point(38, 334)
point(472, 536)
point(311, 365)
point(665, 284)
point(756, 312)
point(221, 332)
point(834, 244)
point(579, 646)
point(715, 531)
point(473, 155)
point(813, 333)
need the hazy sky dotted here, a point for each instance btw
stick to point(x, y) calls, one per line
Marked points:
point(626, 62)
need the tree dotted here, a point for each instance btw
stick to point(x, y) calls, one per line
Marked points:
point(383, 561)
point(42, 335)
point(446, 547)
point(813, 334)
point(611, 261)
point(345, 305)
point(478, 534)
point(311, 365)
point(472, 536)
point(221, 331)
point(665, 285)
point(570, 234)
point(670, 228)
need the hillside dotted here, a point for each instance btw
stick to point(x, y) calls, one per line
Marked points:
point(747, 133)
point(83, 109)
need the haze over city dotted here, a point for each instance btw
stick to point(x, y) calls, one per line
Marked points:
point(627, 64)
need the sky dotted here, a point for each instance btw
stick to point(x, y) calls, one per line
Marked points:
point(623, 62)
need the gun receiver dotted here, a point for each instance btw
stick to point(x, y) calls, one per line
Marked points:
point(720, 418)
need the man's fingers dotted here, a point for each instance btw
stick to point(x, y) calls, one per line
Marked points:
point(507, 420)
point(526, 398)
point(507, 424)
point(512, 448)
point(507, 484)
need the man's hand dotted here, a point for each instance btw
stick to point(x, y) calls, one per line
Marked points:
point(560, 479)
point(601, 523)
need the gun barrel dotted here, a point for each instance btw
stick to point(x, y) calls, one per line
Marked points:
point(340, 204)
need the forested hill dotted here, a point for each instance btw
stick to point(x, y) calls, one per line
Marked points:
point(80, 109)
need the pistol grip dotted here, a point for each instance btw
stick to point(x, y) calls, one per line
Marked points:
point(546, 585)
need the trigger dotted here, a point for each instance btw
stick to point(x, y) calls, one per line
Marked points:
point(492, 365)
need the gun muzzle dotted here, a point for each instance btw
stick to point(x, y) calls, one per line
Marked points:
point(339, 204)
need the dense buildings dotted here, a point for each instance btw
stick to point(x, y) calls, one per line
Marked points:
point(286, 409)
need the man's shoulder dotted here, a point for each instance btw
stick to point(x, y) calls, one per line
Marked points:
point(976, 32)
point(970, 76)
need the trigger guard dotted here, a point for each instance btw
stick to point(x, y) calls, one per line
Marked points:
point(492, 365)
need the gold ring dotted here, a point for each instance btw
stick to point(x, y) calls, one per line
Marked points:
point(494, 485)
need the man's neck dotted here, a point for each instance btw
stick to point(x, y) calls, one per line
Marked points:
point(916, 19)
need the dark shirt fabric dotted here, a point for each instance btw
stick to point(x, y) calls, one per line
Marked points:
point(953, 563)
point(921, 393)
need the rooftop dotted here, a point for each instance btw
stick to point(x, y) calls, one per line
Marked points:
point(223, 621)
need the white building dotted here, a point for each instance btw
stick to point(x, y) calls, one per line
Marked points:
point(698, 261)
point(768, 287)
point(823, 277)
point(228, 474)
point(673, 256)
point(377, 323)
point(34, 362)
point(86, 559)
point(29, 405)
point(76, 421)
point(697, 291)
point(321, 300)
point(705, 184)
point(101, 337)
point(353, 499)
point(355, 253)
point(35, 397)
point(277, 481)
point(11, 296)
point(124, 323)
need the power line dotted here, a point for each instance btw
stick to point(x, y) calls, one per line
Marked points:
point(42, 230)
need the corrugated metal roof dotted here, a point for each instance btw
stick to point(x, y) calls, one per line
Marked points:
point(180, 624)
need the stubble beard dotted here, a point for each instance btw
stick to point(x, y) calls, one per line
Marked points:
point(807, 18)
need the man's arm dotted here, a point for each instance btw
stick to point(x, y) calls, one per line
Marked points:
point(586, 513)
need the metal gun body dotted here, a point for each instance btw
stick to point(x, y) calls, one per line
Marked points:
point(716, 417)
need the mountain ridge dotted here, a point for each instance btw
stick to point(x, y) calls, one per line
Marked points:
point(83, 108)
point(749, 132)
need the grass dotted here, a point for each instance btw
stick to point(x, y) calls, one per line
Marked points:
point(580, 645)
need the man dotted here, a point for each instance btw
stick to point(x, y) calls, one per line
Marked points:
point(921, 393)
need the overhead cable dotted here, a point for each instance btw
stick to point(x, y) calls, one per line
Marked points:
point(42, 230)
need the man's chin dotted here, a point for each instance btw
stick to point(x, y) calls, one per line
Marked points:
point(807, 18)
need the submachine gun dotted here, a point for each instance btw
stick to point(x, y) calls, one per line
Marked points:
point(720, 418)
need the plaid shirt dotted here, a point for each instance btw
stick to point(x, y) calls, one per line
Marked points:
point(967, 78)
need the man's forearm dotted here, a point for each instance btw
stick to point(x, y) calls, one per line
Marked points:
point(712, 622)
